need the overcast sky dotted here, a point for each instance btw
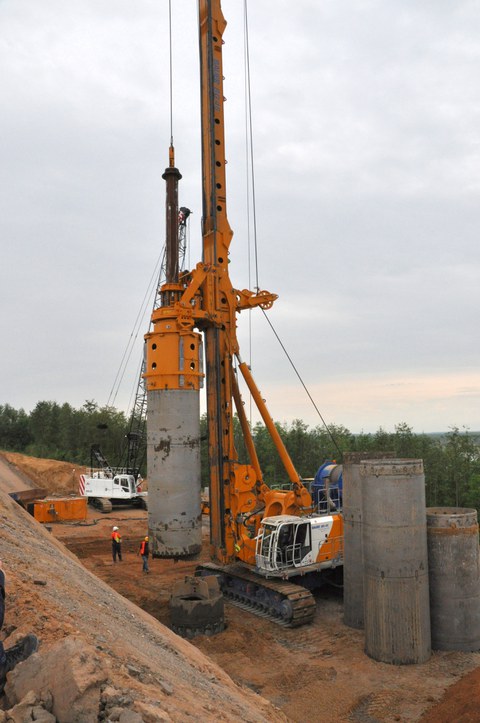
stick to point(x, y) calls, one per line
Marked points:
point(366, 122)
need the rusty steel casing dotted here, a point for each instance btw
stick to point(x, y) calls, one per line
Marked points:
point(174, 486)
point(454, 573)
point(394, 537)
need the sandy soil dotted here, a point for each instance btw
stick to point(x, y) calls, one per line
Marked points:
point(156, 673)
point(316, 673)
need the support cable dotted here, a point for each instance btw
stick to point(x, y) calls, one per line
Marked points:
point(249, 143)
point(247, 168)
point(171, 68)
point(303, 383)
point(160, 262)
point(138, 324)
point(250, 136)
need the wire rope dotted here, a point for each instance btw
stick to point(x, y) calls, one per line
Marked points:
point(250, 138)
point(132, 338)
point(156, 274)
point(302, 382)
point(247, 191)
point(170, 46)
point(251, 160)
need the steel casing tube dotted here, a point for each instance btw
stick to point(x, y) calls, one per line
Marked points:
point(394, 534)
point(174, 485)
point(352, 546)
point(454, 574)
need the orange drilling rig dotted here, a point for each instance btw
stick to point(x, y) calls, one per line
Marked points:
point(260, 538)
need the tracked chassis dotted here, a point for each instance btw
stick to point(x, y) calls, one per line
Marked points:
point(282, 602)
point(101, 503)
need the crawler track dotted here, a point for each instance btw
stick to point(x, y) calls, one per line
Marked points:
point(282, 602)
point(101, 503)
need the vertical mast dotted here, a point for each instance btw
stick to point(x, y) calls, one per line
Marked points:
point(217, 236)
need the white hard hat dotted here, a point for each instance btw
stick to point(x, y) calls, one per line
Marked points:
point(115, 528)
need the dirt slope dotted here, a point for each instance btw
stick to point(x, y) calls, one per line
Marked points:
point(74, 602)
point(58, 478)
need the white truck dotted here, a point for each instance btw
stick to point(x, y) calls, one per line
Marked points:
point(105, 488)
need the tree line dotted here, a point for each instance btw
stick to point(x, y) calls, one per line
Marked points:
point(59, 431)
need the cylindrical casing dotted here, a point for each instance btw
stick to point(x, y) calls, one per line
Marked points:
point(394, 535)
point(352, 544)
point(454, 573)
point(173, 459)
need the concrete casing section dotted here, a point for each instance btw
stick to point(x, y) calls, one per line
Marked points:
point(454, 571)
point(352, 547)
point(394, 534)
point(173, 463)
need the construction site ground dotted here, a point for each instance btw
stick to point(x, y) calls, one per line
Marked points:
point(315, 673)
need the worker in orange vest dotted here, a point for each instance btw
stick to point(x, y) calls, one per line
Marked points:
point(116, 544)
point(144, 551)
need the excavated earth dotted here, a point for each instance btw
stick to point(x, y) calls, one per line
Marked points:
point(63, 585)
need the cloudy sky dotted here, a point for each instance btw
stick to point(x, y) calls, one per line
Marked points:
point(366, 123)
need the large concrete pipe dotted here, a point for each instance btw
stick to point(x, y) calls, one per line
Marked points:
point(173, 460)
point(353, 547)
point(396, 600)
point(454, 573)
point(352, 544)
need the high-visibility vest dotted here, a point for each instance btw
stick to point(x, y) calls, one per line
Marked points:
point(143, 547)
point(116, 537)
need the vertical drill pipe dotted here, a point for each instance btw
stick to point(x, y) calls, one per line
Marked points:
point(172, 175)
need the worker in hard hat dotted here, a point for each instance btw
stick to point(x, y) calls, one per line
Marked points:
point(144, 552)
point(116, 544)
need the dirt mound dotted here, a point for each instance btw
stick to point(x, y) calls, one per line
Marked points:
point(154, 672)
point(57, 478)
point(461, 702)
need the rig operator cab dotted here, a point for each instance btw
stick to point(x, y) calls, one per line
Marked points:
point(288, 545)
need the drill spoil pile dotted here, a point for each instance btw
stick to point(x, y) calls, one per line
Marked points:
point(97, 650)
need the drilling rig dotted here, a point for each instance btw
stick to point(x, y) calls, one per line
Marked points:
point(260, 538)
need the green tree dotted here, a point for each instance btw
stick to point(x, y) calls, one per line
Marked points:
point(15, 432)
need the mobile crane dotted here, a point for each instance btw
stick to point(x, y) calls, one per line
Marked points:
point(260, 538)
